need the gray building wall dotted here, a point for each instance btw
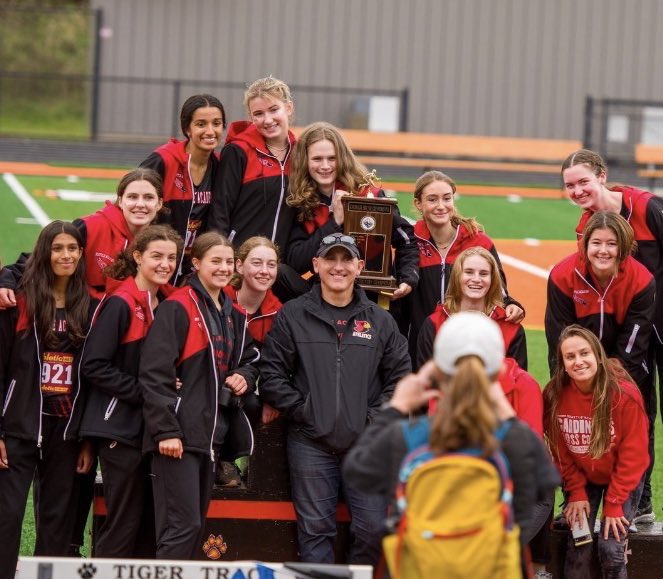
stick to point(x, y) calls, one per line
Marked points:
point(517, 68)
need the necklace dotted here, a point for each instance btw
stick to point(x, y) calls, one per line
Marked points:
point(445, 245)
point(277, 149)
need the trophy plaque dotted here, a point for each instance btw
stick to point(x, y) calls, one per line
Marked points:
point(369, 220)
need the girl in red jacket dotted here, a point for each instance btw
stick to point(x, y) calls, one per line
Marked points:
point(256, 264)
point(104, 233)
point(252, 180)
point(255, 162)
point(596, 426)
point(324, 169)
point(188, 169)
point(475, 286)
point(113, 414)
point(441, 235)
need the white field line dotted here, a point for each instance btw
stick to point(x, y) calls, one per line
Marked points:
point(513, 261)
point(75, 195)
point(31, 205)
point(524, 266)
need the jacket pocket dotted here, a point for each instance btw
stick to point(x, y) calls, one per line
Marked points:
point(110, 408)
point(301, 412)
point(10, 391)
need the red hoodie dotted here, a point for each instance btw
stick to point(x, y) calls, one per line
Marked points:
point(622, 466)
point(523, 393)
point(105, 234)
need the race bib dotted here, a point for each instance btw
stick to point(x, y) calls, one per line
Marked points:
point(56, 373)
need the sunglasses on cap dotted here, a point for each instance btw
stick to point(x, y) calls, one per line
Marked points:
point(338, 238)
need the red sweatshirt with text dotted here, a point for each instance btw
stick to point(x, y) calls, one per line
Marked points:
point(622, 466)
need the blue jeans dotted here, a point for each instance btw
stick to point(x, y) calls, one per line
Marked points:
point(315, 481)
point(611, 552)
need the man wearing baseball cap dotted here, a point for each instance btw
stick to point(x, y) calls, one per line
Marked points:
point(330, 361)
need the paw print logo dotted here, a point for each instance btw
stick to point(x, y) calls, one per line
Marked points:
point(214, 547)
point(87, 571)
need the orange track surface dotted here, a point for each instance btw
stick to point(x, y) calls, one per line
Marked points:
point(94, 173)
point(529, 289)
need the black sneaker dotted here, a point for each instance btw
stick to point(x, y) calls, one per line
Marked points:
point(229, 475)
point(644, 514)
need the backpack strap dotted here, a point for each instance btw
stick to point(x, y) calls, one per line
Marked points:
point(502, 430)
point(415, 433)
point(501, 463)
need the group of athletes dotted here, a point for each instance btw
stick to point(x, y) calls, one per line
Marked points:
point(156, 334)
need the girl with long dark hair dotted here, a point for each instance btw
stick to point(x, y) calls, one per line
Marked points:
point(188, 170)
point(41, 342)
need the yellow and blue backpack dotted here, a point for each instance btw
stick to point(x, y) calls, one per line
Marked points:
point(456, 518)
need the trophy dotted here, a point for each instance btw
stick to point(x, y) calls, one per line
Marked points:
point(368, 218)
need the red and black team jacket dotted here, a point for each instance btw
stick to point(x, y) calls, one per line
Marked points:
point(434, 274)
point(110, 365)
point(306, 238)
point(620, 315)
point(515, 341)
point(172, 161)
point(252, 186)
point(256, 327)
point(521, 390)
point(105, 234)
point(259, 324)
point(20, 376)
point(179, 346)
point(644, 211)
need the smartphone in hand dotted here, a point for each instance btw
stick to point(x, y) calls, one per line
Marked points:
point(581, 531)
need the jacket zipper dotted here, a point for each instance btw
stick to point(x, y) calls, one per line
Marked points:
point(282, 165)
point(110, 408)
point(216, 376)
point(338, 359)
point(78, 370)
point(10, 391)
point(443, 269)
point(178, 273)
point(601, 299)
point(41, 394)
point(338, 379)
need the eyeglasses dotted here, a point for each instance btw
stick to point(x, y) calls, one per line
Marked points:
point(338, 238)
